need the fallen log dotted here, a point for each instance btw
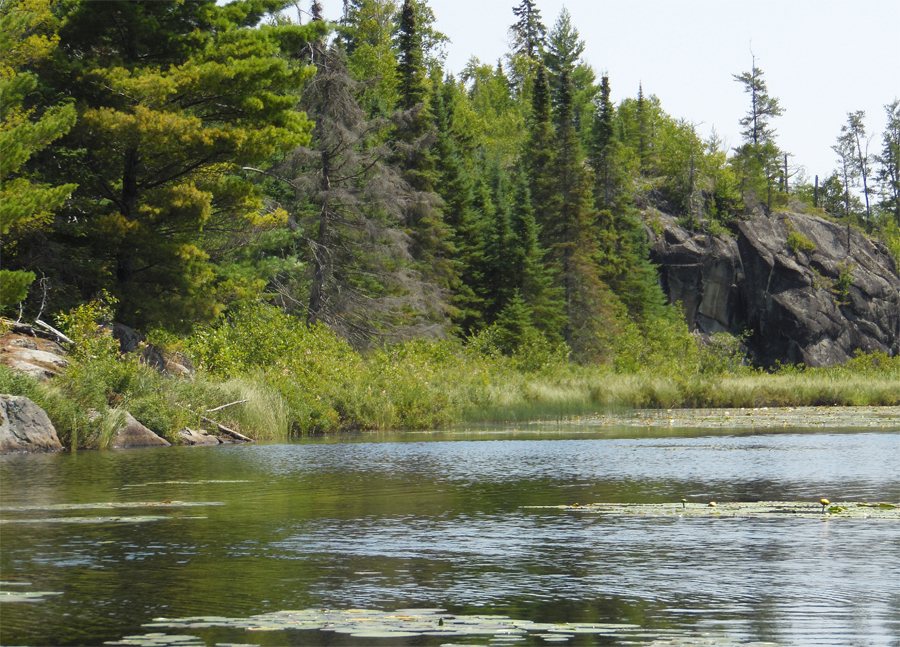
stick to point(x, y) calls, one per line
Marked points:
point(225, 430)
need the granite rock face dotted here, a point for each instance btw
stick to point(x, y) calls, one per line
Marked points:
point(816, 307)
point(25, 427)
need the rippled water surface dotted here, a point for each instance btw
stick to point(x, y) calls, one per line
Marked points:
point(435, 520)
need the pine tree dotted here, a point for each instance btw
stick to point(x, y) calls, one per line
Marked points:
point(889, 162)
point(861, 162)
point(27, 38)
point(763, 108)
point(528, 33)
point(759, 157)
point(173, 99)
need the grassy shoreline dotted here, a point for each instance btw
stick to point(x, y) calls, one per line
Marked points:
point(295, 380)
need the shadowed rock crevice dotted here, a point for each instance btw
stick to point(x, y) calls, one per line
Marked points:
point(789, 281)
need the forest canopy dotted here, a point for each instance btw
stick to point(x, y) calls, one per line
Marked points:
point(190, 158)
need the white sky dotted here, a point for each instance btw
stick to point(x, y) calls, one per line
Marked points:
point(821, 58)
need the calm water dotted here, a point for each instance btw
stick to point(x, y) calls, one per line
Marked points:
point(434, 520)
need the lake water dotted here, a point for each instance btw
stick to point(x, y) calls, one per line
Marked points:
point(435, 520)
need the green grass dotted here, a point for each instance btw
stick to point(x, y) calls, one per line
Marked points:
point(298, 380)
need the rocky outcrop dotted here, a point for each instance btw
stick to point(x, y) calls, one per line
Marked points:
point(197, 437)
point(134, 434)
point(37, 356)
point(167, 362)
point(25, 427)
point(789, 281)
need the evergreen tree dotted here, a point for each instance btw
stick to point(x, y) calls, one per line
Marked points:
point(643, 122)
point(846, 169)
point(759, 157)
point(528, 33)
point(455, 185)
point(27, 39)
point(364, 283)
point(501, 272)
point(540, 149)
point(602, 150)
point(564, 48)
point(889, 162)
point(570, 234)
point(411, 69)
point(366, 32)
point(173, 99)
point(854, 133)
point(536, 281)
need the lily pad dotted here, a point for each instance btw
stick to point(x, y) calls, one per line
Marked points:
point(25, 596)
point(131, 519)
point(103, 506)
point(208, 482)
point(760, 509)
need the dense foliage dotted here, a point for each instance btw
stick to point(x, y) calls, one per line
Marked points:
point(276, 191)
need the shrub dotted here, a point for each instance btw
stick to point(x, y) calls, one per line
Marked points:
point(798, 242)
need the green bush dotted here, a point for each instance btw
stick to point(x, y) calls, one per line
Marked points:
point(798, 242)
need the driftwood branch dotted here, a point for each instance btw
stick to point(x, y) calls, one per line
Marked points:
point(54, 331)
point(26, 329)
point(225, 430)
point(225, 406)
point(222, 428)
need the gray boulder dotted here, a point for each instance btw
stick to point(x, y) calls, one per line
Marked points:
point(790, 301)
point(134, 434)
point(25, 427)
point(198, 437)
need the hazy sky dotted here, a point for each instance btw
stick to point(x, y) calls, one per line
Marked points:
point(821, 58)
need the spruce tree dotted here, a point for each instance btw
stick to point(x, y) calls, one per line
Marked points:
point(501, 273)
point(455, 184)
point(602, 150)
point(528, 33)
point(889, 162)
point(571, 237)
point(540, 148)
point(759, 158)
point(410, 67)
point(536, 278)
point(352, 207)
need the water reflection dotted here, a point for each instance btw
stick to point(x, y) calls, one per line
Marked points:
point(433, 522)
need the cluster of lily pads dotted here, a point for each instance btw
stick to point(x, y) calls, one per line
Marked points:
point(410, 623)
point(65, 507)
point(759, 509)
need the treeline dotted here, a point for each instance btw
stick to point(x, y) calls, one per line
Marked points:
point(190, 159)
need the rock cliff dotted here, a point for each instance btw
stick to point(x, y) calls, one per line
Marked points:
point(789, 281)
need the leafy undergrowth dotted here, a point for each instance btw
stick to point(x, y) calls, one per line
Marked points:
point(291, 379)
